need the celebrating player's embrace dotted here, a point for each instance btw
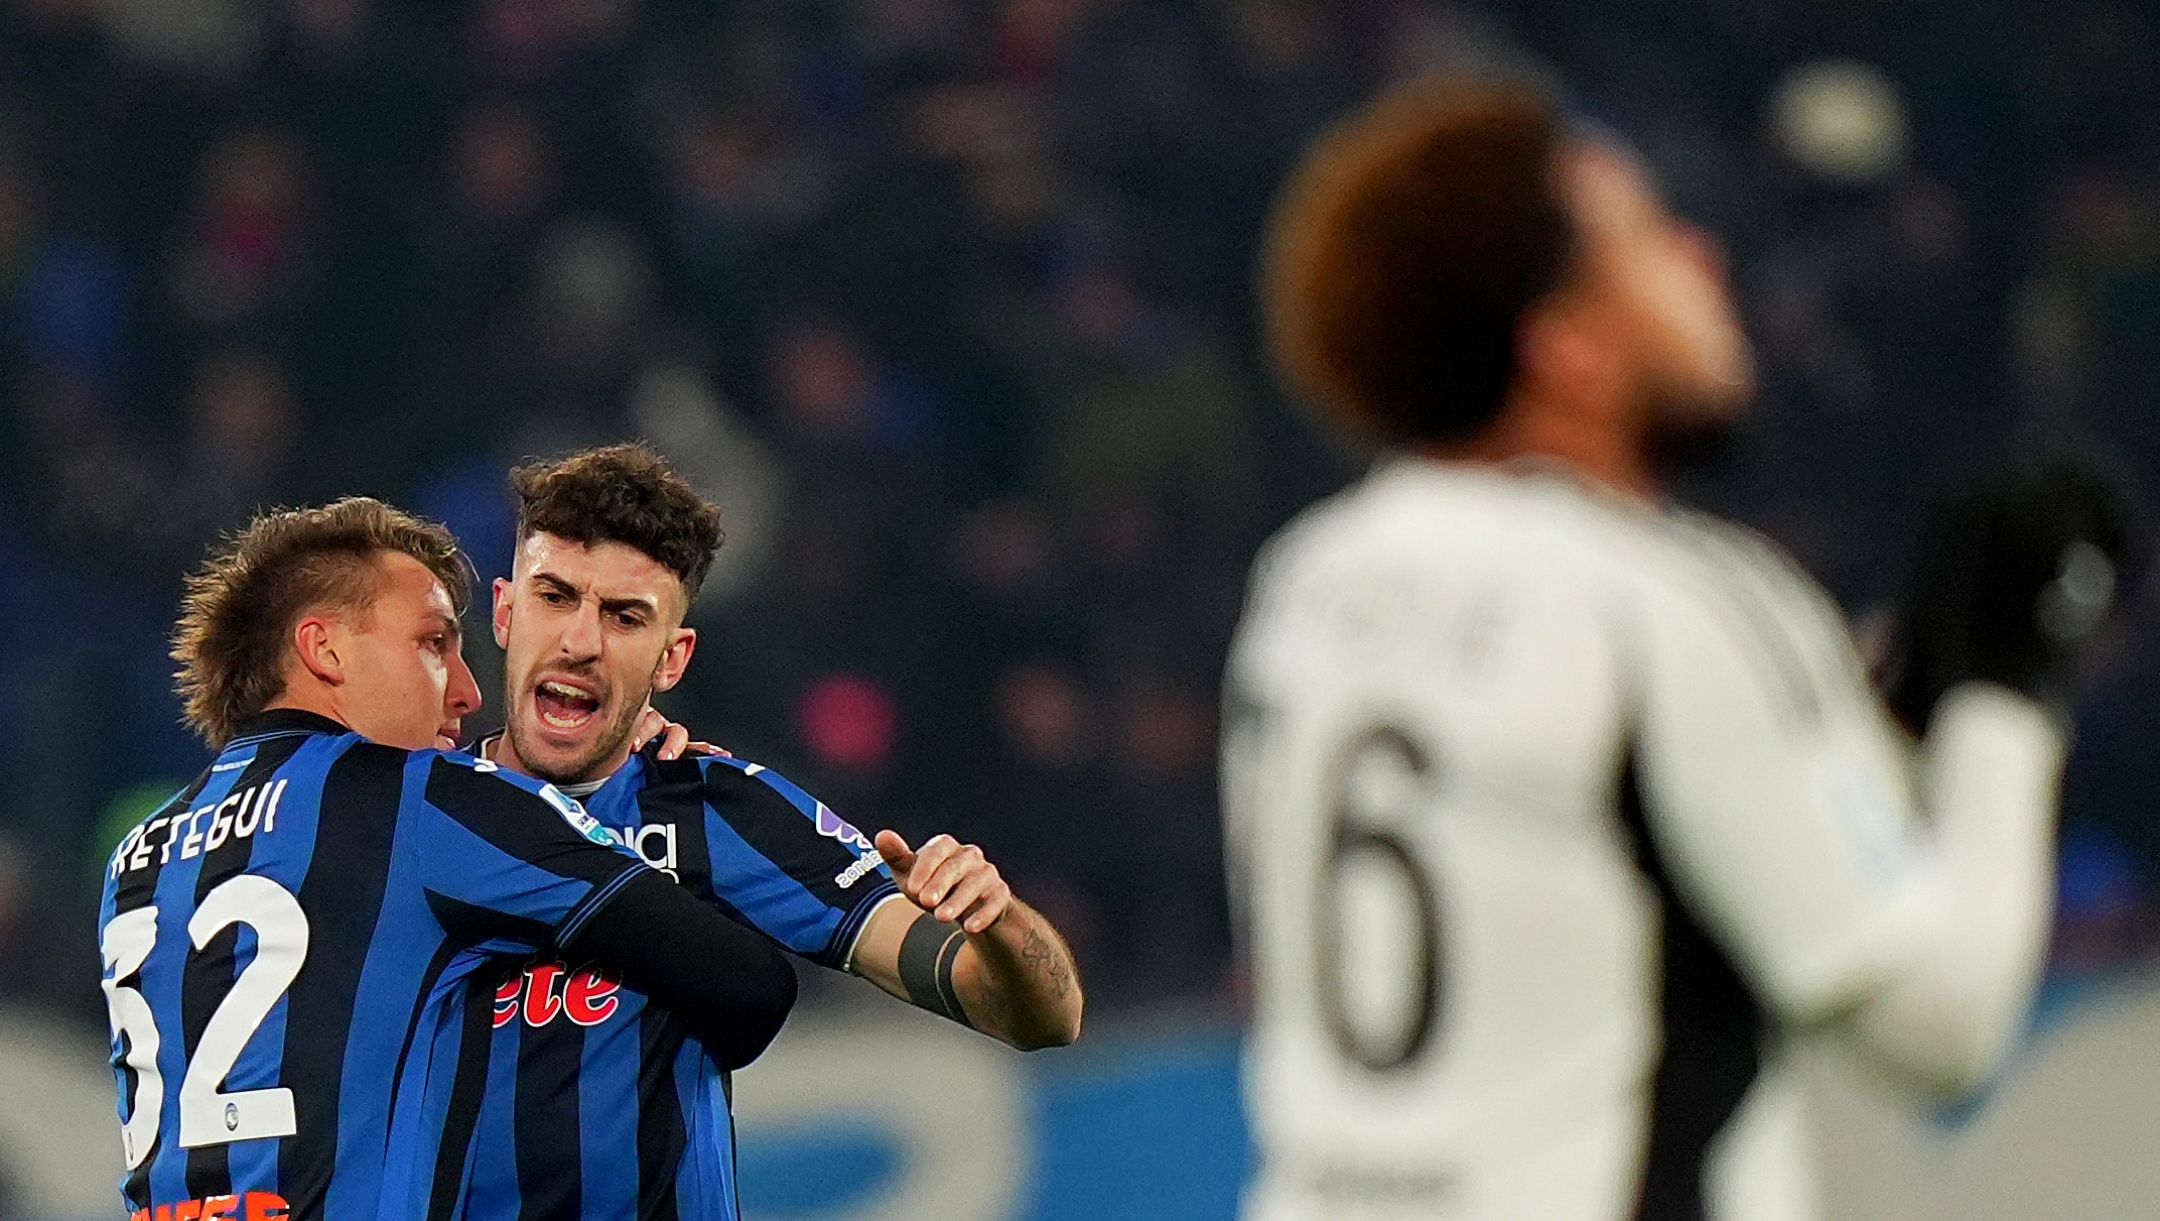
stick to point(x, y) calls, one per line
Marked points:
point(353, 974)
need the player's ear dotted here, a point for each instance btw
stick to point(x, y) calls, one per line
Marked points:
point(1559, 348)
point(1546, 345)
point(675, 659)
point(501, 616)
point(315, 643)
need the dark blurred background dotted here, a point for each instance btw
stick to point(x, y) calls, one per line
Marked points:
point(948, 304)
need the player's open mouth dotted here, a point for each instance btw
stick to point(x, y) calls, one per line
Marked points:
point(564, 705)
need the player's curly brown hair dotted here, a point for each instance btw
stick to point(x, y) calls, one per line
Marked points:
point(1403, 251)
point(241, 605)
point(625, 494)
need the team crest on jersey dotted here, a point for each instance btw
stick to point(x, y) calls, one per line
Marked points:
point(832, 826)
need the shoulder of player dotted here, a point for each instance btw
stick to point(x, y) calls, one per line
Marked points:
point(747, 794)
point(493, 801)
point(1411, 516)
point(458, 777)
point(728, 779)
point(1696, 557)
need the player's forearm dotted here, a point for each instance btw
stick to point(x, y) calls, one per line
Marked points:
point(730, 983)
point(1993, 762)
point(1017, 981)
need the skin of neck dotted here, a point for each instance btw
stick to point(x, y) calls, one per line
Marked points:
point(1589, 419)
point(1579, 398)
point(306, 693)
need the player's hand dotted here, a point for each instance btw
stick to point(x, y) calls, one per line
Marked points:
point(950, 880)
point(674, 738)
point(2014, 577)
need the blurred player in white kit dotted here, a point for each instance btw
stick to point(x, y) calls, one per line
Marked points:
point(1550, 806)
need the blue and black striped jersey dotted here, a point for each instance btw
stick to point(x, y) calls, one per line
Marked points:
point(286, 948)
point(597, 1104)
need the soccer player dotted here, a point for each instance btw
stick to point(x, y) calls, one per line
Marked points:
point(597, 1101)
point(287, 943)
point(1549, 805)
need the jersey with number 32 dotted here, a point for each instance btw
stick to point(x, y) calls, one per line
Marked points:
point(1542, 806)
point(286, 947)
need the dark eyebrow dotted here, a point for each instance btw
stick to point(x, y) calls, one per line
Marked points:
point(549, 578)
point(612, 606)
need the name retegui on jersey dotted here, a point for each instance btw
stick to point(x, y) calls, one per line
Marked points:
point(201, 829)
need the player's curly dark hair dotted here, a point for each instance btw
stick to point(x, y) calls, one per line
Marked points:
point(240, 606)
point(1403, 251)
point(624, 494)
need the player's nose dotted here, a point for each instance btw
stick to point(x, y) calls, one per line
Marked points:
point(1703, 249)
point(581, 634)
point(463, 694)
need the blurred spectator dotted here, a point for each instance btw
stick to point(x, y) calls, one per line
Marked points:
point(242, 424)
point(209, 38)
point(676, 408)
point(246, 243)
point(502, 172)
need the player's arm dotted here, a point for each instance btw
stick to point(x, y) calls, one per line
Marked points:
point(2014, 578)
point(734, 985)
point(511, 863)
point(1782, 806)
point(957, 942)
point(794, 869)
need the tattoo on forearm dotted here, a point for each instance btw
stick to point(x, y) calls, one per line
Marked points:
point(1038, 953)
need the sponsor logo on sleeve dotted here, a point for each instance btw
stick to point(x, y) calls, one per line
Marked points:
point(832, 826)
point(863, 867)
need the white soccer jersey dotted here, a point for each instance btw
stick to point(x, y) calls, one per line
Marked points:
point(1545, 809)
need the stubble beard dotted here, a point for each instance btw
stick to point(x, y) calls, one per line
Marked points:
point(582, 768)
point(1691, 449)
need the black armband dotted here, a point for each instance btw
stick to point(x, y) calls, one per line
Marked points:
point(927, 954)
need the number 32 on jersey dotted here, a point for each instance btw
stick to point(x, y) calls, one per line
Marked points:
point(208, 1116)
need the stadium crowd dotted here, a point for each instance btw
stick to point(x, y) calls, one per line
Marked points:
point(947, 303)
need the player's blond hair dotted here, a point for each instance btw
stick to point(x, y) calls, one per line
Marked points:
point(237, 616)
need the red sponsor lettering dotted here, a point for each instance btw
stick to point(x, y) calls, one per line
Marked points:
point(589, 997)
point(548, 990)
point(541, 1003)
point(252, 1206)
point(506, 1000)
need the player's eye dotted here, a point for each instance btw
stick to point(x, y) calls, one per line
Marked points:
point(630, 620)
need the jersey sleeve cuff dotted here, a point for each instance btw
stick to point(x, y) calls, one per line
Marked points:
point(845, 938)
point(599, 897)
